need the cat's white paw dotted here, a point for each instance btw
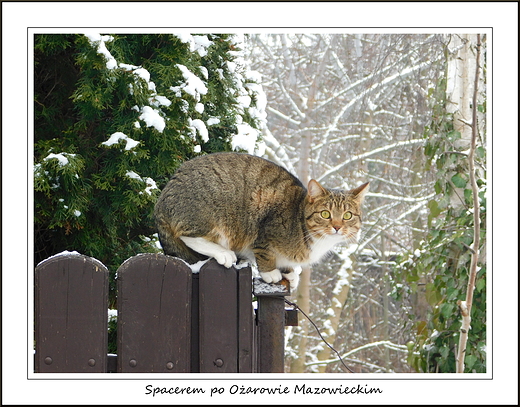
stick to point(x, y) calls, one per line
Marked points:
point(222, 255)
point(293, 279)
point(272, 276)
point(226, 258)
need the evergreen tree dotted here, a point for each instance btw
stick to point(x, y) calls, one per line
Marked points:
point(114, 116)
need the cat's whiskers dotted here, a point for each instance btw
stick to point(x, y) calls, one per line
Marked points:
point(316, 237)
point(352, 237)
point(311, 236)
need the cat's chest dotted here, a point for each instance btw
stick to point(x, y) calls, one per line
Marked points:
point(317, 250)
point(321, 247)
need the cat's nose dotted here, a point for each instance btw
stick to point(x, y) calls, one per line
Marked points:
point(336, 228)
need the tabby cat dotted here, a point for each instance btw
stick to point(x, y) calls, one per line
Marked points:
point(233, 205)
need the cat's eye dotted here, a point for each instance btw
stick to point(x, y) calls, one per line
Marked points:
point(325, 214)
point(347, 215)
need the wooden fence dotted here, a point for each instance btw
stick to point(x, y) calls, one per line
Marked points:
point(170, 320)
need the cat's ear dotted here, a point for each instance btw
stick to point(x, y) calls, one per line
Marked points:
point(359, 192)
point(314, 190)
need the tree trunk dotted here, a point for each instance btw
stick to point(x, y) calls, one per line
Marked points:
point(299, 339)
point(461, 69)
point(303, 297)
point(465, 306)
point(341, 292)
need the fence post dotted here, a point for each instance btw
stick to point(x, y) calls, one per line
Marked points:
point(270, 325)
point(154, 310)
point(71, 302)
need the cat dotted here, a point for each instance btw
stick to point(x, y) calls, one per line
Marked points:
point(233, 206)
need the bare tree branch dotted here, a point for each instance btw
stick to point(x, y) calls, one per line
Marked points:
point(386, 344)
point(368, 154)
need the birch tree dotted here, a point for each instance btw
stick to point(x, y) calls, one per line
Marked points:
point(451, 261)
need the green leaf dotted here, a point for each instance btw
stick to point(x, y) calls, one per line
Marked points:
point(468, 197)
point(470, 361)
point(458, 181)
point(480, 284)
point(434, 211)
point(447, 309)
point(481, 152)
point(432, 295)
point(434, 208)
point(444, 351)
point(451, 293)
point(79, 103)
point(454, 135)
point(438, 187)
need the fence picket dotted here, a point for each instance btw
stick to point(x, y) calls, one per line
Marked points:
point(218, 316)
point(71, 302)
point(154, 308)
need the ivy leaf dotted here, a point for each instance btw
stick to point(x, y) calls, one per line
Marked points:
point(470, 361)
point(434, 211)
point(447, 309)
point(480, 284)
point(444, 351)
point(451, 293)
point(468, 197)
point(453, 135)
point(434, 208)
point(432, 295)
point(458, 181)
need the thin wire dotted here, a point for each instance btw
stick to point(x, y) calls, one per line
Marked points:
point(317, 330)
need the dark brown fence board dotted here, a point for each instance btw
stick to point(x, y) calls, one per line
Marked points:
point(71, 302)
point(218, 316)
point(195, 359)
point(154, 308)
point(245, 321)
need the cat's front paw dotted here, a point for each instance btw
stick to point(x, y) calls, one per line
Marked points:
point(293, 279)
point(272, 276)
point(226, 258)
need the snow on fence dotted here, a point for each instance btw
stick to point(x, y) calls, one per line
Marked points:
point(170, 320)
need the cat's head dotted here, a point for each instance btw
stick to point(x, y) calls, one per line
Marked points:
point(333, 212)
